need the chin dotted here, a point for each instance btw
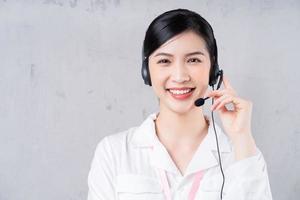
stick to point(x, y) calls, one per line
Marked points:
point(182, 109)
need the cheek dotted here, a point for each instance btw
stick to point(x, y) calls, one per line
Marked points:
point(158, 77)
point(201, 76)
point(159, 83)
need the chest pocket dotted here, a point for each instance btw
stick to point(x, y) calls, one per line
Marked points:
point(210, 188)
point(212, 183)
point(138, 187)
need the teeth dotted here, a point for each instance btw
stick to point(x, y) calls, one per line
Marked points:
point(180, 91)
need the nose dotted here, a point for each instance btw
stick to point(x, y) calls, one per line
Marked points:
point(180, 73)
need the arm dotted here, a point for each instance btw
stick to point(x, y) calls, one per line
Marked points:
point(244, 146)
point(247, 179)
point(100, 177)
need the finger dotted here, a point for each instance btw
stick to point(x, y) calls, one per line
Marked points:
point(215, 93)
point(224, 102)
point(226, 82)
point(219, 100)
point(218, 93)
point(237, 102)
point(223, 110)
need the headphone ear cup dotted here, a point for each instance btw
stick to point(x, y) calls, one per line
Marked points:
point(213, 76)
point(145, 72)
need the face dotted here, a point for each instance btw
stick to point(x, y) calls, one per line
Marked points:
point(179, 71)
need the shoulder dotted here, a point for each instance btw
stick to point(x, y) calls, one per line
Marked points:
point(135, 135)
point(116, 141)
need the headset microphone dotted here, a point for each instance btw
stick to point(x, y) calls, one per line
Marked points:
point(200, 102)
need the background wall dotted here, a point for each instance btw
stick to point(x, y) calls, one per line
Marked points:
point(70, 74)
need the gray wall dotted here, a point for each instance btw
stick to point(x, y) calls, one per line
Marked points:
point(70, 74)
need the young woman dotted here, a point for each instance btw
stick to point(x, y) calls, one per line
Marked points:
point(178, 152)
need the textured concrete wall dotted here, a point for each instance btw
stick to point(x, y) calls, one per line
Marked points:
point(70, 74)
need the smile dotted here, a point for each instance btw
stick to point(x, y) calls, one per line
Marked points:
point(182, 93)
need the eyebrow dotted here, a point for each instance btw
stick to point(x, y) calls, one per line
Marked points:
point(188, 54)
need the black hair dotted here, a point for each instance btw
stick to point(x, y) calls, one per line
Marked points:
point(174, 22)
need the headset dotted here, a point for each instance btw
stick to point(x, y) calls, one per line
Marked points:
point(215, 75)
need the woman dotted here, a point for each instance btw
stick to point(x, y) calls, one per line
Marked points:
point(178, 152)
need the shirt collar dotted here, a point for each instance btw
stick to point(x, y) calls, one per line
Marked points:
point(145, 136)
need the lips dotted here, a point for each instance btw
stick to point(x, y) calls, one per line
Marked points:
point(181, 93)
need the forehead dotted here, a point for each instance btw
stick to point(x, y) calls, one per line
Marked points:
point(183, 43)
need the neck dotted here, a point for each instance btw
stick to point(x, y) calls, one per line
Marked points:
point(173, 127)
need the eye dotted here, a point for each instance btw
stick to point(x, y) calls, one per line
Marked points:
point(195, 60)
point(163, 61)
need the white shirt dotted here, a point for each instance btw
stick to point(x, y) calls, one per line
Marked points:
point(124, 168)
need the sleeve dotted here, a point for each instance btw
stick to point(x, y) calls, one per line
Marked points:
point(100, 177)
point(247, 179)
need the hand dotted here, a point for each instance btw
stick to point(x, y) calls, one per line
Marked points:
point(236, 122)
